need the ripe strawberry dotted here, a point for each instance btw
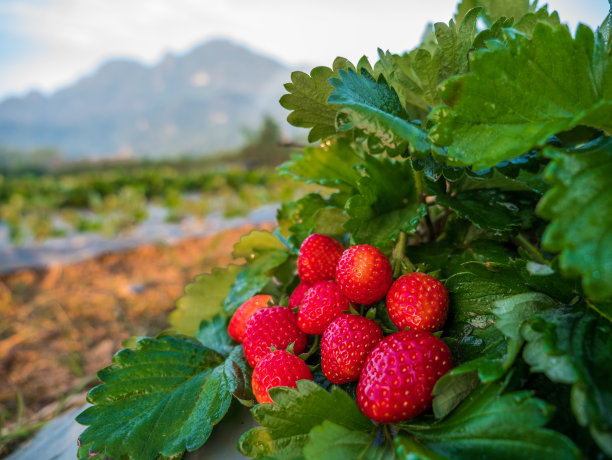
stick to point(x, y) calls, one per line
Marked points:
point(272, 326)
point(399, 375)
point(318, 257)
point(321, 304)
point(418, 301)
point(346, 344)
point(364, 274)
point(298, 294)
point(237, 324)
point(278, 369)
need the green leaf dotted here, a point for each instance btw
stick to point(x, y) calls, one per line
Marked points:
point(372, 107)
point(447, 255)
point(475, 342)
point(451, 389)
point(415, 76)
point(203, 299)
point(489, 208)
point(255, 242)
point(162, 398)
point(330, 441)
point(331, 165)
point(408, 448)
point(578, 207)
point(574, 345)
point(490, 425)
point(490, 120)
point(253, 278)
point(307, 99)
point(287, 422)
point(386, 203)
point(213, 334)
point(330, 221)
point(297, 219)
point(513, 311)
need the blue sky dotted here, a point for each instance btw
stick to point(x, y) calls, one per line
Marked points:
point(46, 44)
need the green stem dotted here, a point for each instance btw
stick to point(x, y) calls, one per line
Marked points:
point(387, 434)
point(313, 349)
point(398, 257)
point(418, 182)
point(533, 251)
point(430, 227)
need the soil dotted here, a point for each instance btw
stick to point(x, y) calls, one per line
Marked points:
point(61, 325)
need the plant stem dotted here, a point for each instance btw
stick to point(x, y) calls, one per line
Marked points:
point(418, 182)
point(309, 353)
point(533, 251)
point(398, 257)
point(430, 227)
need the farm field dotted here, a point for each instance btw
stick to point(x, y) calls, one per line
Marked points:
point(62, 324)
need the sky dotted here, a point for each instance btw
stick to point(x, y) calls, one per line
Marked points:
point(47, 44)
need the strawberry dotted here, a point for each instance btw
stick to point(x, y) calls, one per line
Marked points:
point(298, 294)
point(321, 304)
point(237, 324)
point(346, 343)
point(318, 257)
point(399, 375)
point(418, 301)
point(278, 369)
point(273, 326)
point(364, 274)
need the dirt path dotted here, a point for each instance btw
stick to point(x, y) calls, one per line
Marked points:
point(59, 326)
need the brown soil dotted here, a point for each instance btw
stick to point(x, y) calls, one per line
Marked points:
point(59, 326)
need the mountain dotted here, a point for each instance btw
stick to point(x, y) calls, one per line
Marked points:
point(198, 102)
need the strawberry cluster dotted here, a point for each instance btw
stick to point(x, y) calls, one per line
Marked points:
point(396, 374)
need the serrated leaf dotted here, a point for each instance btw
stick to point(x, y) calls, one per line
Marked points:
point(513, 311)
point(213, 334)
point(203, 299)
point(330, 221)
point(573, 345)
point(386, 204)
point(297, 218)
point(330, 165)
point(491, 120)
point(307, 99)
point(447, 255)
point(489, 208)
point(253, 278)
point(578, 207)
point(287, 422)
point(255, 242)
point(162, 398)
point(475, 342)
point(451, 389)
point(330, 441)
point(415, 76)
point(488, 424)
point(370, 106)
point(408, 448)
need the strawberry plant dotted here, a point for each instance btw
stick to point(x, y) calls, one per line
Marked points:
point(466, 220)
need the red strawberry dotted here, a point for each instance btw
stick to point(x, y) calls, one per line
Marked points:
point(418, 301)
point(346, 344)
point(318, 257)
point(364, 274)
point(298, 294)
point(321, 304)
point(237, 324)
point(278, 369)
point(399, 375)
point(273, 326)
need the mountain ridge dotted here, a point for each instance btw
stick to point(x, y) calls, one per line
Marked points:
point(196, 102)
